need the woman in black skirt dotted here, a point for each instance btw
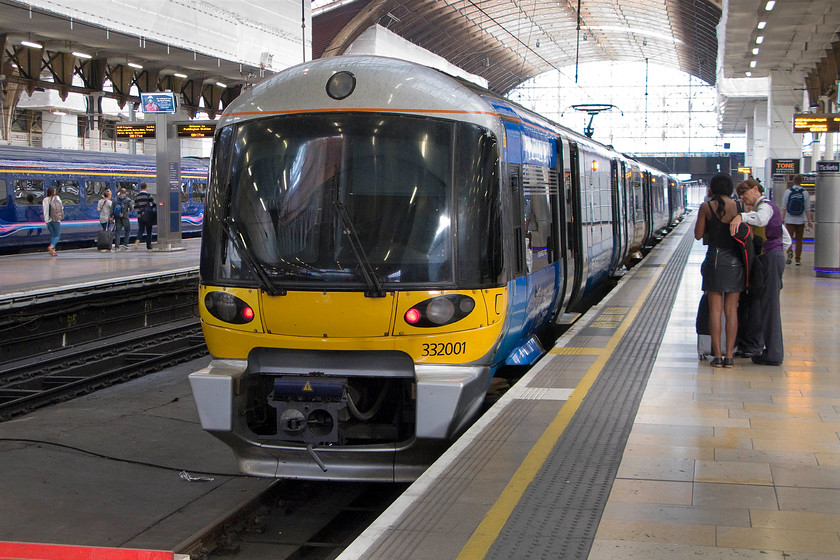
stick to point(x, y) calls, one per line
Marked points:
point(723, 269)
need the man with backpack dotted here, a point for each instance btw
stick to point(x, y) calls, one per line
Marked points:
point(796, 212)
point(122, 208)
point(146, 216)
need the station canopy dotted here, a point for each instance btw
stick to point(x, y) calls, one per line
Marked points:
point(508, 42)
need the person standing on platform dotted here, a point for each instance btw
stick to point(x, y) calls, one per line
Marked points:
point(796, 212)
point(105, 207)
point(122, 208)
point(723, 270)
point(766, 220)
point(53, 214)
point(146, 216)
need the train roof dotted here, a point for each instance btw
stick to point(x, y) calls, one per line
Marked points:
point(379, 87)
point(64, 157)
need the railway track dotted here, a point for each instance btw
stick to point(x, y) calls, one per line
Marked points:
point(51, 377)
point(295, 520)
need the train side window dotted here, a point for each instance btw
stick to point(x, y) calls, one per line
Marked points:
point(68, 191)
point(130, 188)
point(199, 192)
point(4, 198)
point(95, 190)
point(29, 192)
point(185, 189)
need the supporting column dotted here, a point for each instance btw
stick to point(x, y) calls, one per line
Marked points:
point(782, 142)
point(168, 183)
point(759, 144)
point(59, 130)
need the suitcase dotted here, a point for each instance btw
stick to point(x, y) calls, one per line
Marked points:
point(704, 338)
point(105, 240)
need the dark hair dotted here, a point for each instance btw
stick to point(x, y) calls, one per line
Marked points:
point(797, 179)
point(720, 185)
point(51, 191)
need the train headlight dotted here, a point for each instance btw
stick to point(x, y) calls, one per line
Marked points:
point(439, 311)
point(341, 85)
point(228, 308)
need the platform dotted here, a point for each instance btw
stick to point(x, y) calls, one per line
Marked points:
point(105, 469)
point(620, 444)
point(26, 275)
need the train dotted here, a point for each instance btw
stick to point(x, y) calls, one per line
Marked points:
point(381, 239)
point(80, 178)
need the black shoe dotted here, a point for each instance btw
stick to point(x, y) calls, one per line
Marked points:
point(717, 362)
point(762, 361)
point(728, 362)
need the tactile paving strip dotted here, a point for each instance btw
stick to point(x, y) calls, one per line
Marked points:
point(560, 511)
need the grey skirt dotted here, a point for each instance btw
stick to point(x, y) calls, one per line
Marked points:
point(723, 271)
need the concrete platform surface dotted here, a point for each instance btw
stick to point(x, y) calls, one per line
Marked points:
point(105, 469)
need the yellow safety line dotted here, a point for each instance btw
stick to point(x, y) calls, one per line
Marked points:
point(488, 531)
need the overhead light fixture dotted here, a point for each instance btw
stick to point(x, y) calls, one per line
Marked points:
point(32, 44)
point(78, 54)
point(755, 50)
point(135, 65)
point(752, 63)
point(748, 74)
point(762, 24)
point(220, 84)
point(179, 75)
point(770, 5)
point(759, 39)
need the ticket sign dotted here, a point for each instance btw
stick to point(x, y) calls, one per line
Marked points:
point(133, 131)
point(816, 122)
point(158, 102)
point(784, 166)
point(196, 130)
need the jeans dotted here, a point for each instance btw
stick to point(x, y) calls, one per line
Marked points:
point(55, 232)
point(121, 224)
point(145, 229)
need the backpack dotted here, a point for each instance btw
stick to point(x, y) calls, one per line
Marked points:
point(121, 209)
point(56, 210)
point(796, 201)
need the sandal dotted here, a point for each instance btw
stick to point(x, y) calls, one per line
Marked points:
point(717, 362)
point(728, 362)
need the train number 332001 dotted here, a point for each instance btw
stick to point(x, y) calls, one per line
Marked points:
point(444, 348)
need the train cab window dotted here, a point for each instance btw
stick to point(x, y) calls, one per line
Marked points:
point(68, 191)
point(185, 189)
point(29, 192)
point(95, 190)
point(130, 188)
point(199, 192)
point(4, 198)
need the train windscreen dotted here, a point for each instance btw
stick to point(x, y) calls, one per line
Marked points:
point(338, 199)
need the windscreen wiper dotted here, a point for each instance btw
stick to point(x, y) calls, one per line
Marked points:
point(259, 271)
point(374, 286)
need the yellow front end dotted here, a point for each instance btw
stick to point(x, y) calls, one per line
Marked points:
point(351, 321)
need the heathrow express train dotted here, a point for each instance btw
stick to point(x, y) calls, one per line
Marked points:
point(80, 178)
point(380, 238)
